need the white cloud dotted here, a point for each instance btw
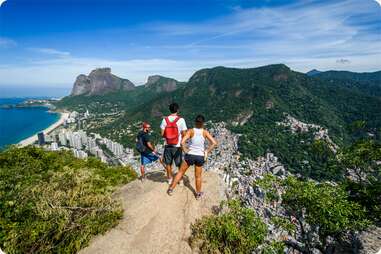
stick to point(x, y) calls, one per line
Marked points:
point(51, 51)
point(1, 2)
point(311, 34)
point(309, 28)
point(7, 43)
point(63, 71)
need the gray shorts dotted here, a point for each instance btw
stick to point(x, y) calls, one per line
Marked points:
point(172, 154)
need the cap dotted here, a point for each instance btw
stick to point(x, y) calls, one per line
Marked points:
point(146, 125)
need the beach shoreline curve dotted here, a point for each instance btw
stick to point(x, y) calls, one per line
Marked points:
point(32, 139)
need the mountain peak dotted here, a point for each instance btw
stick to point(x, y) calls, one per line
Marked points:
point(161, 84)
point(96, 71)
point(100, 81)
point(313, 72)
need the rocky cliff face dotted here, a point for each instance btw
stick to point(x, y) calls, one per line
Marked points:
point(161, 84)
point(100, 81)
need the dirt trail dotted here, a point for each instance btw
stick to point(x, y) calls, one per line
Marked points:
point(154, 222)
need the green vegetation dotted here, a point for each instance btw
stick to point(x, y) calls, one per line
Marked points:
point(325, 208)
point(324, 214)
point(368, 83)
point(300, 152)
point(331, 210)
point(51, 202)
point(363, 159)
point(262, 95)
point(238, 230)
point(319, 215)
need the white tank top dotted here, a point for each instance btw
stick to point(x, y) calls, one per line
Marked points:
point(197, 143)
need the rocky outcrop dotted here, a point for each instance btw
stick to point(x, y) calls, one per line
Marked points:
point(161, 84)
point(100, 81)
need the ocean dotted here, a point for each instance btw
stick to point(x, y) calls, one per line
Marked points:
point(17, 124)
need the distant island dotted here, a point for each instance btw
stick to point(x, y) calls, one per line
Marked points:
point(32, 103)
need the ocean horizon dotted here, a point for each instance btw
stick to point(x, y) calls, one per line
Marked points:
point(17, 124)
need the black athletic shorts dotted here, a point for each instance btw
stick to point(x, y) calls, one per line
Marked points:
point(194, 160)
point(172, 153)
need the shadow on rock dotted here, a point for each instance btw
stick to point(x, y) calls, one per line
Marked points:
point(157, 177)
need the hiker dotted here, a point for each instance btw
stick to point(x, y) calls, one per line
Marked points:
point(195, 154)
point(173, 128)
point(148, 153)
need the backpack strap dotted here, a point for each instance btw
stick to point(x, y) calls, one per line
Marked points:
point(174, 121)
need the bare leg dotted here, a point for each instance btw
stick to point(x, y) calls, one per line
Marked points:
point(142, 171)
point(169, 171)
point(162, 163)
point(197, 174)
point(183, 168)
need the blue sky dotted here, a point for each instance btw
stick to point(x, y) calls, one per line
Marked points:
point(50, 42)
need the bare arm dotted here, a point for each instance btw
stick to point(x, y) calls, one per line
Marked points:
point(211, 140)
point(184, 140)
point(151, 146)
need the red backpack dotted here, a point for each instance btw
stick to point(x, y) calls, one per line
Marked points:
point(171, 131)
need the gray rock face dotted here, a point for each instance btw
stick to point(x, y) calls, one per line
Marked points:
point(161, 84)
point(100, 81)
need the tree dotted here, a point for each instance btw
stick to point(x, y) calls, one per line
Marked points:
point(323, 214)
point(364, 160)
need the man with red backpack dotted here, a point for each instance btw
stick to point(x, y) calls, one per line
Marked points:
point(173, 128)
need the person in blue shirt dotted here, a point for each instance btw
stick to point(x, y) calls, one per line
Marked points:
point(148, 153)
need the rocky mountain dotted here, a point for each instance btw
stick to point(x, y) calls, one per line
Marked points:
point(253, 102)
point(100, 81)
point(161, 84)
point(272, 122)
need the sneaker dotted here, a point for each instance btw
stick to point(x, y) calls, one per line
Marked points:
point(169, 192)
point(199, 195)
point(169, 181)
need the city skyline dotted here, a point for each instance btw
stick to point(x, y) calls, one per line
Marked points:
point(49, 43)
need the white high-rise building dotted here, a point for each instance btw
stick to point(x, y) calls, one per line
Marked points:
point(116, 148)
point(77, 141)
point(69, 138)
point(54, 146)
point(79, 153)
point(87, 114)
point(83, 136)
point(92, 145)
point(62, 138)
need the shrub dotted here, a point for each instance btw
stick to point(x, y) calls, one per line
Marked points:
point(51, 202)
point(326, 210)
point(238, 230)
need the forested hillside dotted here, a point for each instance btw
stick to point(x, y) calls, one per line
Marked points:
point(253, 102)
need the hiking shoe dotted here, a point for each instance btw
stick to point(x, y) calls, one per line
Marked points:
point(199, 195)
point(169, 192)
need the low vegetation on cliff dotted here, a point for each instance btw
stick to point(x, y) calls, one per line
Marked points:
point(51, 202)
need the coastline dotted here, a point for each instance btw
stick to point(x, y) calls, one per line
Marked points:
point(32, 139)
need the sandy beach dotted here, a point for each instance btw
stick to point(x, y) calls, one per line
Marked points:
point(33, 138)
